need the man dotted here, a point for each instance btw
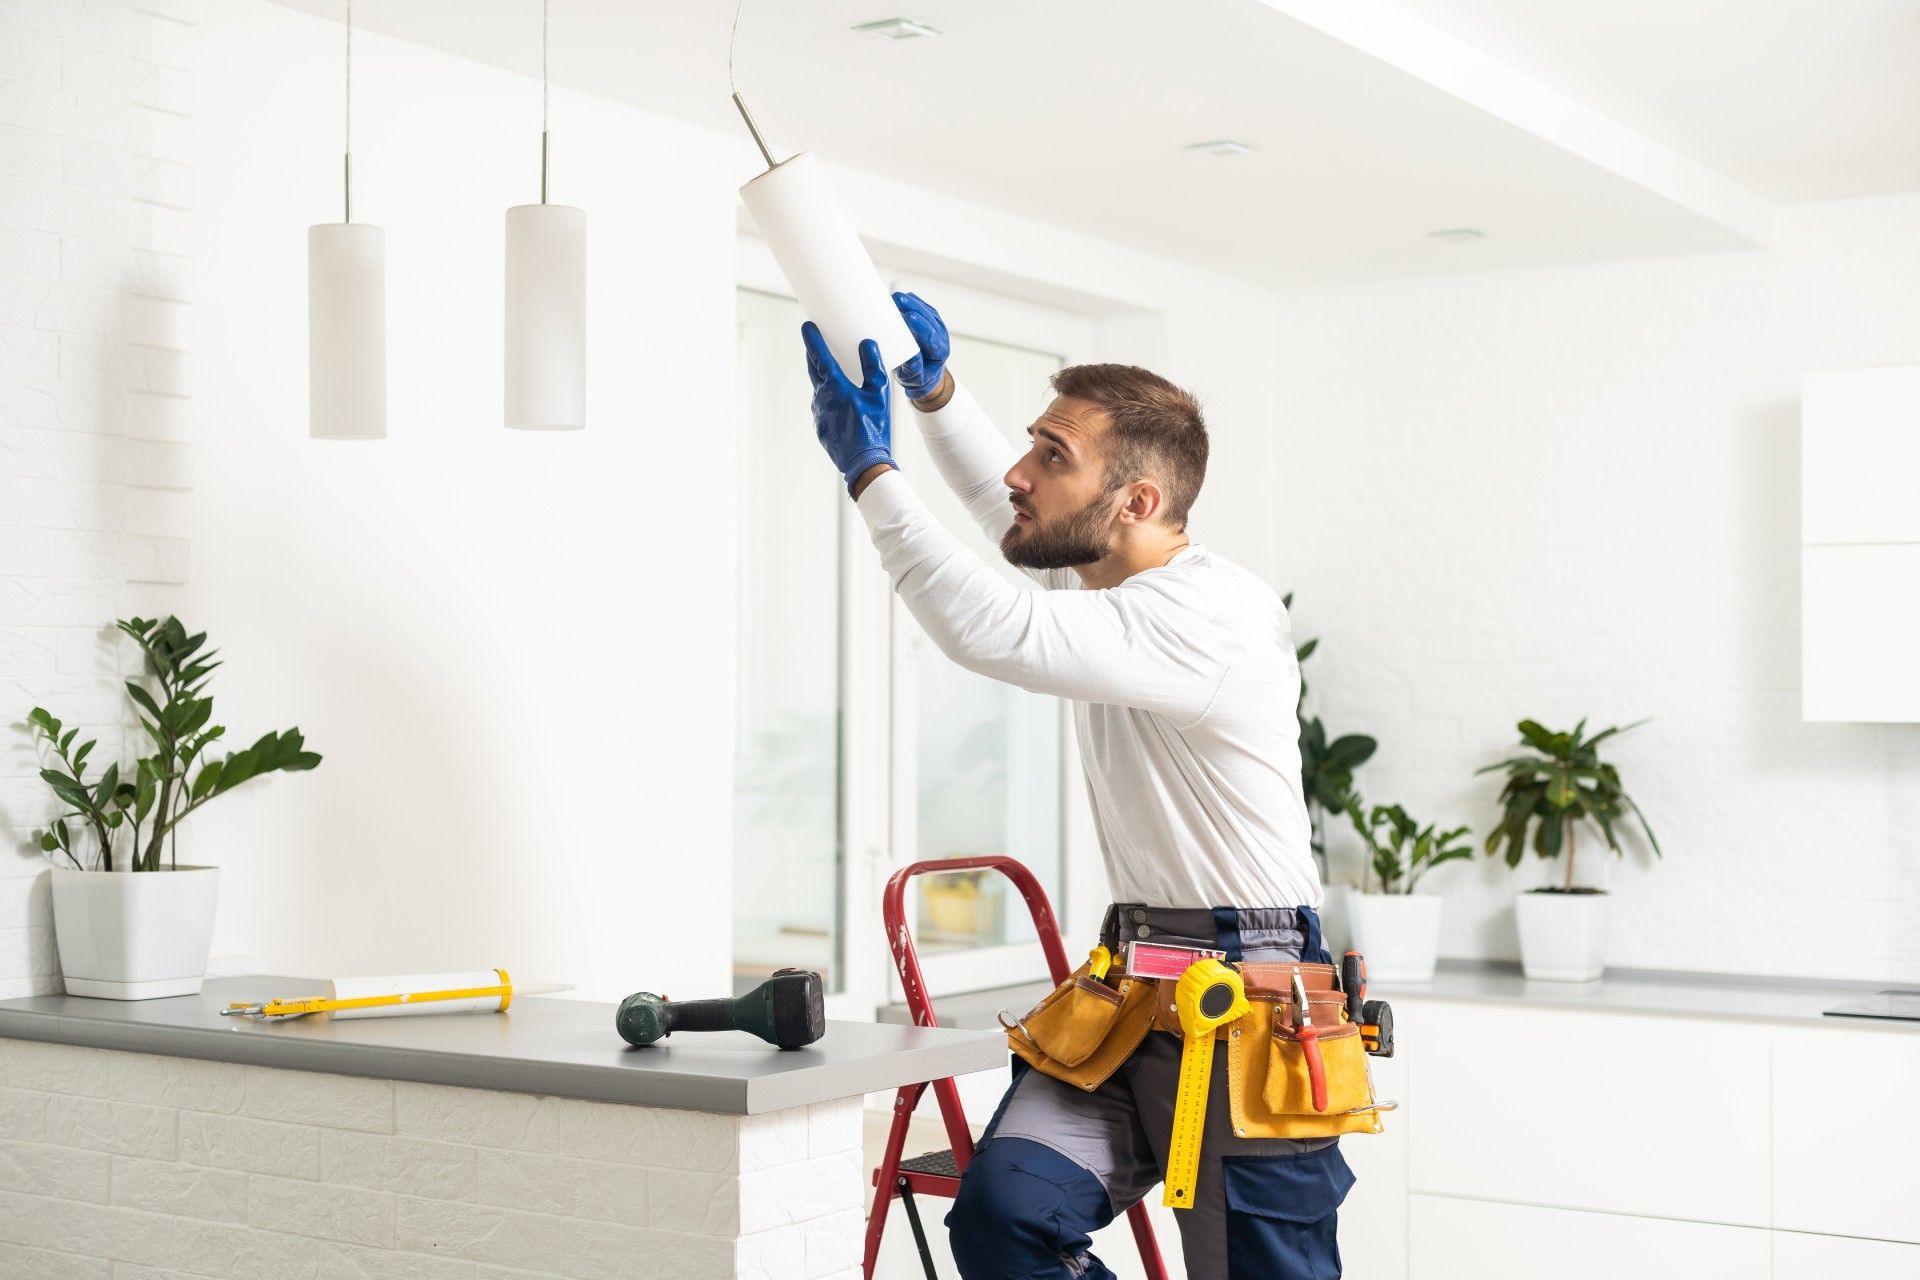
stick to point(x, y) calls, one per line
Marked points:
point(1181, 671)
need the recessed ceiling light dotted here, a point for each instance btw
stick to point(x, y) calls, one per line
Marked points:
point(1457, 235)
point(1221, 147)
point(898, 29)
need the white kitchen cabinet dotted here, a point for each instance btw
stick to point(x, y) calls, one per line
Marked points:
point(1860, 455)
point(1807, 1257)
point(1452, 1239)
point(1859, 613)
point(1626, 1114)
point(1860, 544)
point(1846, 1128)
point(1373, 1221)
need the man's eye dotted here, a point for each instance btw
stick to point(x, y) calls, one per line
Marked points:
point(1053, 455)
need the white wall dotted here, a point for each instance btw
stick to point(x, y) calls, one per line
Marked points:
point(1572, 492)
point(96, 181)
point(516, 651)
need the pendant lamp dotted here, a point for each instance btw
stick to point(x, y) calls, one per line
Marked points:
point(821, 256)
point(347, 313)
point(546, 331)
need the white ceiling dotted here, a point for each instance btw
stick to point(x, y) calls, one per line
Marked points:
point(1798, 99)
point(1373, 127)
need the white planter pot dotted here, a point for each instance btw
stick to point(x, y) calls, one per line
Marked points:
point(1398, 933)
point(1563, 936)
point(134, 935)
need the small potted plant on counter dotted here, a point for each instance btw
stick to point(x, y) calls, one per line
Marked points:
point(1563, 928)
point(1396, 929)
point(132, 926)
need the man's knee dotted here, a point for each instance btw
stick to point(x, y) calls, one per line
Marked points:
point(1024, 1208)
point(1282, 1214)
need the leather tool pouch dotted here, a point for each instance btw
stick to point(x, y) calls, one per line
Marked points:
point(1274, 978)
point(1270, 1074)
point(1084, 1029)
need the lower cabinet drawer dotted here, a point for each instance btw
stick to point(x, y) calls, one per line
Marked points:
point(1450, 1239)
point(1608, 1112)
point(1798, 1256)
point(1846, 1125)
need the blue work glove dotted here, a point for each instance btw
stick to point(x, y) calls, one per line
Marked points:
point(851, 421)
point(920, 376)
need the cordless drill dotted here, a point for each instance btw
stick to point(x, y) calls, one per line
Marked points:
point(788, 1009)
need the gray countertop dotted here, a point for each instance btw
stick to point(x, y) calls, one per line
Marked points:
point(1694, 995)
point(565, 1048)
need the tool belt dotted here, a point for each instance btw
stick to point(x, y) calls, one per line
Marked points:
point(1278, 1086)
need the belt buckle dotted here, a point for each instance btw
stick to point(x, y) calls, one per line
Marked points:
point(1164, 960)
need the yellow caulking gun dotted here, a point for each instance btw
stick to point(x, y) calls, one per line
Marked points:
point(1208, 996)
point(476, 991)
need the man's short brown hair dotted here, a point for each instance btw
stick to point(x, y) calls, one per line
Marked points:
point(1154, 430)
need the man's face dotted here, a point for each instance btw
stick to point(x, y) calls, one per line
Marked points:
point(1063, 511)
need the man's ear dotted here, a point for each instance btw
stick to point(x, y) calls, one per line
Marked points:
point(1144, 502)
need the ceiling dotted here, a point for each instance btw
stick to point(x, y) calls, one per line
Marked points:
point(1563, 132)
point(1797, 99)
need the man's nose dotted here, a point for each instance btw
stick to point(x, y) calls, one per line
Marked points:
point(1015, 481)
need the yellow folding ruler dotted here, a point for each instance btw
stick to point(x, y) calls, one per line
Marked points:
point(1208, 996)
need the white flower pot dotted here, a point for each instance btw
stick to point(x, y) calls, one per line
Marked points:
point(1398, 933)
point(1563, 936)
point(134, 935)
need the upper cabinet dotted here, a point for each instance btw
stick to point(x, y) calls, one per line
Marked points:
point(1860, 544)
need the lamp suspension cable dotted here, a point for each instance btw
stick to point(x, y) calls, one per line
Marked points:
point(733, 86)
point(545, 40)
point(347, 212)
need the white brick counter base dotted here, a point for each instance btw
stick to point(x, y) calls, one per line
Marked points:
point(128, 1166)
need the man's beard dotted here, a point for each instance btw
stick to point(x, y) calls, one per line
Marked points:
point(1081, 538)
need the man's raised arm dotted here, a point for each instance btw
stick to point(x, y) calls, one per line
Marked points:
point(967, 449)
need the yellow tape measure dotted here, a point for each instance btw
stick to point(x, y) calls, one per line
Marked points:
point(1208, 996)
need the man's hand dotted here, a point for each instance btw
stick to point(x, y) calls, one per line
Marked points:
point(851, 422)
point(920, 376)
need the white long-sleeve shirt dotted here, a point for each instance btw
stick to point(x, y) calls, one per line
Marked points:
point(1183, 683)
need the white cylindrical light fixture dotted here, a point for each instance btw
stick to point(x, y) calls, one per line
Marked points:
point(546, 355)
point(347, 312)
point(819, 252)
point(546, 348)
point(347, 331)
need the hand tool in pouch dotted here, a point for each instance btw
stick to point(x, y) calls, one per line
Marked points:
point(788, 1009)
point(1208, 996)
point(473, 991)
point(1309, 1037)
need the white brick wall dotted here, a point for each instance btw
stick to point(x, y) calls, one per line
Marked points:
point(96, 193)
point(123, 1166)
point(1575, 492)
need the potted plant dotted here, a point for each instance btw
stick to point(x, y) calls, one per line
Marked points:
point(1326, 764)
point(1563, 928)
point(1396, 929)
point(130, 927)
point(963, 906)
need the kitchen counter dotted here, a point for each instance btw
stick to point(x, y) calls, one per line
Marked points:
point(531, 1143)
point(564, 1048)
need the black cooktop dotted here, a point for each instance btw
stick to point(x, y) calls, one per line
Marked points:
point(1903, 1006)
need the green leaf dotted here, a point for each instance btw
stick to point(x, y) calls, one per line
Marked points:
point(139, 694)
point(209, 778)
point(1302, 652)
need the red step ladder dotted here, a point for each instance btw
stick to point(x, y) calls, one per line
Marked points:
point(938, 1172)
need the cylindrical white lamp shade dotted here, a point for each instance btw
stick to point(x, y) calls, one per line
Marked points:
point(826, 264)
point(347, 331)
point(546, 317)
